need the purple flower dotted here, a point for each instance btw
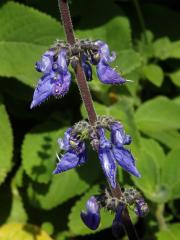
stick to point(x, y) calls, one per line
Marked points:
point(141, 207)
point(75, 154)
point(105, 73)
point(118, 135)
point(45, 64)
point(107, 158)
point(110, 153)
point(125, 159)
point(56, 80)
point(91, 217)
point(87, 68)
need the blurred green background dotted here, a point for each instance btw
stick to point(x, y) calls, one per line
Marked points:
point(34, 204)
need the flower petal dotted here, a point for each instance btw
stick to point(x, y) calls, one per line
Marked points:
point(62, 87)
point(64, 142)
point(126, 160)
point(118, 135)
point(108, 75)
point(43, 90)
point(91, 217)
point(105, 52)
point(45, 64)
point(68, 161)
point(87, 70)
point(107, 160)
point(62, 62)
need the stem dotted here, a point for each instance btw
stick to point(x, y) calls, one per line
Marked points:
point(160, 217)
point(141, 19)
point(87, 100)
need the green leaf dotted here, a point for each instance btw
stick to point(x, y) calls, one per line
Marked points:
point(158, 114)
point(160, 180)
point(154, 73)
point(175, 77)
point(6, 143)
point(170, 174)
point(169, 138)
point(76, 225)
point(128, 60)
point(18, 231)
point(24, 35)
point(171, 233)
point(17, 213)
point(39, 151)
point(164, 48)
point(118, 26)
point(61, 188)
point(149, 163)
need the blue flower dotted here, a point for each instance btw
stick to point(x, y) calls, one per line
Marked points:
point(86, 67)
point(112, 152)
point(141, 207)
point(107, 158)
point(75, 154)
point(91, 217)
point(56, 79)
point(105, 73)
point(45, 65)
point(118, 135)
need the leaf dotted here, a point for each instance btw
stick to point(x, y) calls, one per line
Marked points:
point(160, 180)
point(170, 175)
point(169, 138)
point(128, 60)
point(175, 77)
point(164, 48)
point(18, 231)
point(150, 164)
point(17, 213)
point(39, 151)
point(158, 114)
point(76, 225)
point(171, 233)
point(24, 35)
point(61, 188)
point(6, 143)
point(154, 73)
point(118, 26)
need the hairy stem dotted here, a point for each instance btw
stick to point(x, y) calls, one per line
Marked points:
point(87, 100)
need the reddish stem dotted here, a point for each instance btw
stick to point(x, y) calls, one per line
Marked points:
point(87, 100)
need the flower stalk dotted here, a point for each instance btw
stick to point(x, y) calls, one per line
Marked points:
point(87, 100)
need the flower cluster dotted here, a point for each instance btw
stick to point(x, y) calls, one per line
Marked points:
point(54, 64)
point(110, 151)
point(130, 198)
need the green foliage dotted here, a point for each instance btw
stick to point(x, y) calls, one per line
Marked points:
point(39, 151)
point(6, 143)
point(159, 114)
point(171, 233)
point(148, 107)
point(154, 74)
point(24, 35)
point(159, 172)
